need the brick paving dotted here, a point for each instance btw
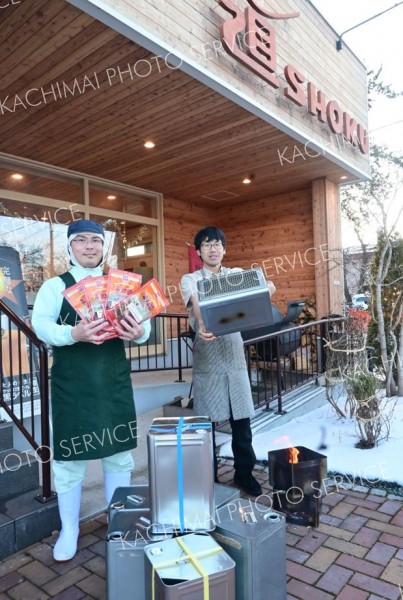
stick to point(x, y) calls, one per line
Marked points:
point(356, 553)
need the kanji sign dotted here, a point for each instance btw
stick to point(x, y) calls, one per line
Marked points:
point(258, 53)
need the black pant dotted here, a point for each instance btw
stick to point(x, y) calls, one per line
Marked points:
point(244, 455)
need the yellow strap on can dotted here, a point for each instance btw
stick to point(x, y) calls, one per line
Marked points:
point(193, 558)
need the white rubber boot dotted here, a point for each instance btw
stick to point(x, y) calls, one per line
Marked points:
point(69, 510)
point(113, 480)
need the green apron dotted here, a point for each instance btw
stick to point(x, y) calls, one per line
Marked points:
point(93, 410)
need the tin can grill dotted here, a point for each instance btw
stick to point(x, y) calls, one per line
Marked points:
point(297, 487)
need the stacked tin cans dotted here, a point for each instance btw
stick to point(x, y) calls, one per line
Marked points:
point(128, 534)
point(182, 536)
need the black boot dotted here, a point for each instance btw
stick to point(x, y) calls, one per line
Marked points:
point(248, 483)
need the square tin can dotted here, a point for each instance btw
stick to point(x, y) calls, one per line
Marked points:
point(254, 536)
point(129, 498)
point(190, 567)
point(129, 532)
point(180, 459)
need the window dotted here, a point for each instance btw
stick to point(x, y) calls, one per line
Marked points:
point(37, 203)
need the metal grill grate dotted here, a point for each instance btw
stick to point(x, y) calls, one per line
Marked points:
point(229, 284)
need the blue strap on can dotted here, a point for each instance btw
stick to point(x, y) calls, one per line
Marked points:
point(180, 475)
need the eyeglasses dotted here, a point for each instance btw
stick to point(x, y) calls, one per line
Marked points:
point(209, 245)
point(95, 241)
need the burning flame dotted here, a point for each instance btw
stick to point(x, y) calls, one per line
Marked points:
point(293, 455)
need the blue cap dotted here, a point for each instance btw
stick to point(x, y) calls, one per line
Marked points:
point(85, 226)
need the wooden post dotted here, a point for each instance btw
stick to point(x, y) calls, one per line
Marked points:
point(327, 242)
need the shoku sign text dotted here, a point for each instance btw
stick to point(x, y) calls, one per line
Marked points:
point(259, 55)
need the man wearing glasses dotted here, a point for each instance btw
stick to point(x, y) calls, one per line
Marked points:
point(220, 378)
point(93, 412)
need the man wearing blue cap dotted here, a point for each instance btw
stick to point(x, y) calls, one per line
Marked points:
point(93, 412)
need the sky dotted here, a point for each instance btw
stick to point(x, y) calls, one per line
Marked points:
point(378, 43)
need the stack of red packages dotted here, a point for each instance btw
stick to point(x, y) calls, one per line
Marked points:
point(145, 303)
point(115, 295)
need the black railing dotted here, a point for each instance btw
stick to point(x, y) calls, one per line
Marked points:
point(169, 347)
point(285, 360)
point(277, 363)
point(24, 388)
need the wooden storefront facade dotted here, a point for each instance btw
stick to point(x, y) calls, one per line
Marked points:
point(87, 82)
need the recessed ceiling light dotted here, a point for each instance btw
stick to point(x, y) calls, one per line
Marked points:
point(17, 176)
point(343, 177)
point(247, 180)
point(149, 144)
point(111, 197)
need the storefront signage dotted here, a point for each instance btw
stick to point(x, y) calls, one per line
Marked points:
point(258, 53)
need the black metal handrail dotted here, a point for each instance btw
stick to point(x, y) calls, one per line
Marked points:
point(167, 349)
point(270, 358)
point(38, 380)
point(269, 355)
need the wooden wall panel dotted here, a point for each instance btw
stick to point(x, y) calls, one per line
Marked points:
point(275, 234)
point(181, 221)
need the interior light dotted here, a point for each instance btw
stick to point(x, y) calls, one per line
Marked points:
point(111, 197)
point(247, 180)
point(17, 176)
point(343, 177)
point(135, 251)
point(149, 144)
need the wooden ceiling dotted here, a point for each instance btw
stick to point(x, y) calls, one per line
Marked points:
point(205, 145)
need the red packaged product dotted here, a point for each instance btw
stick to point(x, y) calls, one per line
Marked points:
point(147, 302)
point(76, 297)
point(96, 289)
point(121, 284)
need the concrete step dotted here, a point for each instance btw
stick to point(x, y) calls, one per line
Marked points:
point(296, 403)
point(6, 436)
point(154, 389)
point(24, 521)
point(19, 473)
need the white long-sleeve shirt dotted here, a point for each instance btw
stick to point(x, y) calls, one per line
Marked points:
point(47, 307)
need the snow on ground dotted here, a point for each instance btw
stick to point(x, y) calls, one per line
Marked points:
point(382, 463)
